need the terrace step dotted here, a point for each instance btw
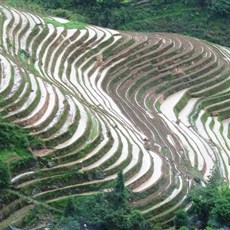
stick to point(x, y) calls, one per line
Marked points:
point(105, 101)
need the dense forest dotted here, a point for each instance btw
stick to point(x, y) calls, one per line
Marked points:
point(205, 19)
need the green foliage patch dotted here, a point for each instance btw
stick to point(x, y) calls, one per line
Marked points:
point(68, 25)
point(4, 175)
point(107, 210)
point(15, 146)
point(201, 19)
point(12, 136)
point(211, 204)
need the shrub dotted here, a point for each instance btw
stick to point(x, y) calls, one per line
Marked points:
point(61, 13)
point(211, 204)
point(22, 164)
point(70, 210)
point(220, 7)
point(4, 175)
point(12, 137)
point(66, 223)
point(181, 219)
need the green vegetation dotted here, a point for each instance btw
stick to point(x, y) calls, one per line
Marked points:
point(15, 147)
point(67, 25)
point(12, 137)
point(111, 208)
point(210, 206)
point(70, 210)
point(198, 18)
point(181, 219)
point(4, 175)
point(219, 6)
point(69, 221)
point(106, 210)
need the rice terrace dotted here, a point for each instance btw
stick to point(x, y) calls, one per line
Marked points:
point(155, 106)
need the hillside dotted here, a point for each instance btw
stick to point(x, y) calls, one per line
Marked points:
point(183, 17)
point(155, 105)
point(204, 19)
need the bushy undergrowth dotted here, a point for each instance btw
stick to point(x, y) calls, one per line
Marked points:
point(13, 137)
point(4, 175)
point(210, 206)
point(15, 144)
point(106, 210)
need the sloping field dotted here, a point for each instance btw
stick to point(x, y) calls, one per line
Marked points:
point(156, 106)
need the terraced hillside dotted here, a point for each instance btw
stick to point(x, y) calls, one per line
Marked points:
point(156, 106)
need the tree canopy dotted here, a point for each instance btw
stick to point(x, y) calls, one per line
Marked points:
point(4, 175)
point(211, 204)
point(107, 210)
point(220, 6)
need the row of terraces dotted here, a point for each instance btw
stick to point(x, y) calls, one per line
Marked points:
point(155, 106)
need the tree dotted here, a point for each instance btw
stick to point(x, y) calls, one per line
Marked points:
point(75, 3)
point(70, 223)
point(211, 204)
point(111, 210)
point(70, 210)
point(220, 6)
point(183, 228)
point(12, 137)
point(215, 179)
point(69, 220)
point(66, 223)
point(110, 3)
point(181, 219)
point(120, 193)
point(4, 175)
point(221, 209)
point(202, 3)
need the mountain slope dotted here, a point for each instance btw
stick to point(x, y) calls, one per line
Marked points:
point(153, 105)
